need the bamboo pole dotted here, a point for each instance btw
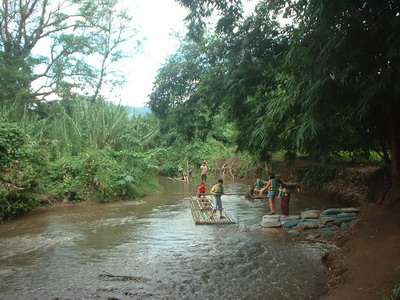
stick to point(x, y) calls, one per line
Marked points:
point(191, 194)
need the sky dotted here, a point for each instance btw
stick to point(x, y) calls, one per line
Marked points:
point(157, 21)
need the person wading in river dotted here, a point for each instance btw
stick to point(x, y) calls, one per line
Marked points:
point(284, 195)
point(271, 188)
point(203, 170)
point(217, 191)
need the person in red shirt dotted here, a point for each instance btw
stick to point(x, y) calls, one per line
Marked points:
point(201, 190)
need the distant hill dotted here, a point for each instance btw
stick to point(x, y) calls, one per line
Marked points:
point(138, 110)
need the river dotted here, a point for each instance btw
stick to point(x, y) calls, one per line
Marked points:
point(58, 252)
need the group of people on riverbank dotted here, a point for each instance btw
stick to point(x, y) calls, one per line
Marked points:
point(187, 175)
point(183, 174)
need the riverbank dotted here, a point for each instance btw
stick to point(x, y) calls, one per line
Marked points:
point(364, 267)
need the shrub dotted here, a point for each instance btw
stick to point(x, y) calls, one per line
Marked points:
point(314, 177)
point(21, 172)
point(12, 139)
point(103, 174)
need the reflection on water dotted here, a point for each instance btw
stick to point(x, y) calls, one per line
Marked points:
point(58, 252)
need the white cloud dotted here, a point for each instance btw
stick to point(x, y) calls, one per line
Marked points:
point(157, 21)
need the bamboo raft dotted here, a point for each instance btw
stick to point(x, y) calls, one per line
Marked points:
point(201, 213)
point(256, 197)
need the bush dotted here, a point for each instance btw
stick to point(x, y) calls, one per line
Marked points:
point(315, 177)
point(21, 172)
point(395, 293)
point(103, 174)
point(12, 139)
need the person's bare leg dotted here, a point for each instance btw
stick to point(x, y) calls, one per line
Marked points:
point(272, 204)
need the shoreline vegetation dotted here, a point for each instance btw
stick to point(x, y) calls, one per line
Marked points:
point(43, 168)
point(307, 91)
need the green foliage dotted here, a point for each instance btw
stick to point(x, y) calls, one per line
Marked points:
point(12, 138)
point(72, 126)
point(232, 11)
point(396, 290)
point(84, 39)
point(290, 157)
point(15, 77)
point(315, 177)
point(77, 149)
point(21, 172)
point(103, 175)
point(395, 293)
point(325, 84)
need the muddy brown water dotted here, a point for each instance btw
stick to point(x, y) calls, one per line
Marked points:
point(58, 252)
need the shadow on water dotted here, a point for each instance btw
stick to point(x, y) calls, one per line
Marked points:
point(59, 251)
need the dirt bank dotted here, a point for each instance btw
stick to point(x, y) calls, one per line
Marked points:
point(365, 265)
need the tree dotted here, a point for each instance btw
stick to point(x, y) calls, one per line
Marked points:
point(238, 77)
point(71, 31)
point(343, 72)
point(180, 96)
point(230, 13)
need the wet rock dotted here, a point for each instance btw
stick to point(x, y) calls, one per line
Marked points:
point(350, 210)
point(332, 211)
point(270, 224)
point(308, 225)
point(327, 234)
point(310, 214)
point(346, 215)
point(321, 233)
point(271, 217)
point(313, 235)
point(325, 220)
point(289, 218)
point(354, 222)
point(345, 225)
point(294, 233)
point(290, 223)
point(311, 220)
point(339, 221)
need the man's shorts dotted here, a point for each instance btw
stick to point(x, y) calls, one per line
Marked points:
point(217, 203)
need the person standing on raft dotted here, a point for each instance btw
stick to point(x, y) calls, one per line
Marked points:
point(217, 191)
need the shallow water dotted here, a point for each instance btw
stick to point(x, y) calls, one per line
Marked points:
point(58, 252)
